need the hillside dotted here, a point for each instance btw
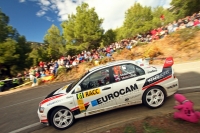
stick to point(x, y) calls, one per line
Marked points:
point(183, 46)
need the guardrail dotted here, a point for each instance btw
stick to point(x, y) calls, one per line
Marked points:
point(11, 83)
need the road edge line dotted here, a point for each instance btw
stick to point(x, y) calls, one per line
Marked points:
point(26, 127)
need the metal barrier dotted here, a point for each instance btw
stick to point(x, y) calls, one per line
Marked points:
point(10, 83)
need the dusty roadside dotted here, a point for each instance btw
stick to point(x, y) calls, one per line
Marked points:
point(157, 124)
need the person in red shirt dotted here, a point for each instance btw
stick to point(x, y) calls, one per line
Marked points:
point(196, 22)
point(41, 64)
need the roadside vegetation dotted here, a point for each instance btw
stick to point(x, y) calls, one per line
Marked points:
point(157, 124)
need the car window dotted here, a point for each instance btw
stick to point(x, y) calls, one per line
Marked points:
point(126, 71)
point(139, 71)
point(96, 79)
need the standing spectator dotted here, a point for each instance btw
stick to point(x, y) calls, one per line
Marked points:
point(196, 22)
point(170, 28)
point(41, 64)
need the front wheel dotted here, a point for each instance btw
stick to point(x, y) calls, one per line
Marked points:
point(62, 118)
point(153, 97)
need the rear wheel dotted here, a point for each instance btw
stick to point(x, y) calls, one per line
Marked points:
point(153, 97)
point(62, 118)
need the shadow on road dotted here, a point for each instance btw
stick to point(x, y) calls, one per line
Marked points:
point(188, 79)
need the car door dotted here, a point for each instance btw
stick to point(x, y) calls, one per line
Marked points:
point(128, 82)
point(95, 95)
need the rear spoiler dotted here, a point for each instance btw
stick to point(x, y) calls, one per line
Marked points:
point(169, 61)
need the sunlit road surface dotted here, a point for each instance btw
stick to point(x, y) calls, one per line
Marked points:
point(19, 110)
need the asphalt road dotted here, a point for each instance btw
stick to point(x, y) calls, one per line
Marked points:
point(18, 110)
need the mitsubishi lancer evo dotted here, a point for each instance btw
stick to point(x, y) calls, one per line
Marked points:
point(106, 87)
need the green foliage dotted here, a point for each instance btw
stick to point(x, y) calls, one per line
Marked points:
point(129, 129)
point(109, 37)
point(6, 31)
point(83, 30)
point(39, 53)
point(185, 8)
point(137, 20)
point(149, 129)
point(55, 43)
point(8, 51)
point(140, 20)
point(157, 12)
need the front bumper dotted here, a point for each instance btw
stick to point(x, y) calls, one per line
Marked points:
point(43, 118)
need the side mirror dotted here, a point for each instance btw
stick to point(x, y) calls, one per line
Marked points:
point(77, 89)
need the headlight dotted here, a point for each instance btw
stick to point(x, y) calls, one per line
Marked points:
point(41, 109)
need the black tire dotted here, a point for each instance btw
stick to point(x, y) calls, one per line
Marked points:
point(153, 97)
point(62, 118)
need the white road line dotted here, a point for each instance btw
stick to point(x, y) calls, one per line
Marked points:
point(26, 127)
point(21, 102)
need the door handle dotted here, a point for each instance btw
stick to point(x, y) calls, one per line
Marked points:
point(140, 79)
point(106, 88)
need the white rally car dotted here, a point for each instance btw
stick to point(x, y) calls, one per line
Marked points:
point(107, 87)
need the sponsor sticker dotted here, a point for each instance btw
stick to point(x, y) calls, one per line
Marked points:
point(82, 107)
point(92, 92)
point(116, 94)
point(88, 93)
point(80, 101)
point(53, 102)
point(172, 86)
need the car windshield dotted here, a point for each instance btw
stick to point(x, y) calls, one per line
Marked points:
point(75, 82)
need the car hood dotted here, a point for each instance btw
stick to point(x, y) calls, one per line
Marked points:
point(58, 91)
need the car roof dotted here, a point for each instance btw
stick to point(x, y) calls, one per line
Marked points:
point(111, 64)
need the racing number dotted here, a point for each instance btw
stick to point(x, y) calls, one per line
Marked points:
point(80, 95)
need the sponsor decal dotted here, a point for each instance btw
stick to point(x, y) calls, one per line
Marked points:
point(50, 98)
point(53, 102)
point(116, 94)
point(151, 71)
point(81, 105)
point(127, 75)
point(172, 86)
point(158, 76)
point(164, 75)
point(69, 97)
point(129, 98)
point(88, 93)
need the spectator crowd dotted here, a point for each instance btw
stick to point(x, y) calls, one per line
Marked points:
point(51, 68)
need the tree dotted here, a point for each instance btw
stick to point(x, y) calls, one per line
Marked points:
point(8, 54)
point(6, 31)
point(13, 48)
point(55, 43)
point(109, 37)
point(157, 12)
point(83, 31)
point(185, 8)
point(137, 20)
point(38, 53)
